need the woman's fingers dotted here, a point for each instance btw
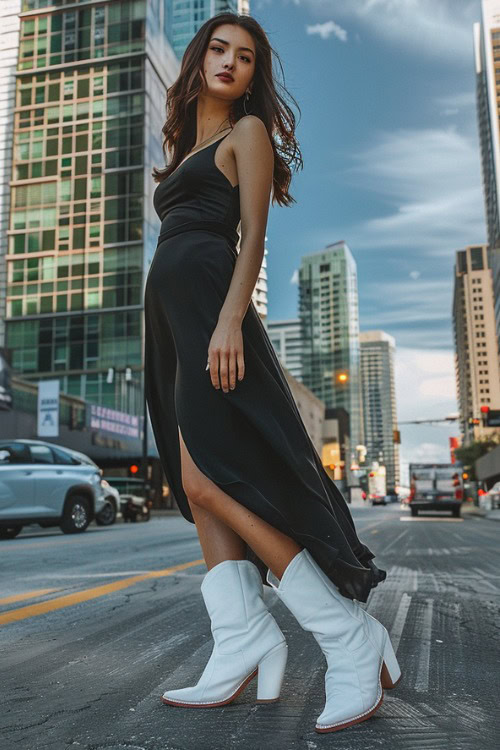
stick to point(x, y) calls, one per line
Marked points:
point(241, 365)
point(224, 371)
point(224, 368)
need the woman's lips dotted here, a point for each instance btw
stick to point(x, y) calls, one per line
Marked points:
point(225, 78)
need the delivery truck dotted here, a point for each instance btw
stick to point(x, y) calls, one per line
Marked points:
point(436, 487)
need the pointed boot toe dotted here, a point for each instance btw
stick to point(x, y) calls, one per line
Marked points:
point(247, 640)
point(358, 651)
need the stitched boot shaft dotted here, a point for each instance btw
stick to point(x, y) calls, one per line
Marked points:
point(351, 640)
point(233, 596)
point(244, 633)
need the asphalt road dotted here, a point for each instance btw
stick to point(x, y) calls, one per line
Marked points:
point(94, 628)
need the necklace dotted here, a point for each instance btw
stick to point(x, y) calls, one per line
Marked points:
point(211, 136)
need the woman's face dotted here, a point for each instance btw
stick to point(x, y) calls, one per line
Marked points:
point(231, 49)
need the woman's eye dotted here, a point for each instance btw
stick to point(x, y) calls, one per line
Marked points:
point(221, 49)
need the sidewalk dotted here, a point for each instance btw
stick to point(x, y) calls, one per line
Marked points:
point(473, 510)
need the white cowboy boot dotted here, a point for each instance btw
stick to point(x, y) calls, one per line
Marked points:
point(358, 651)
point(248, 640)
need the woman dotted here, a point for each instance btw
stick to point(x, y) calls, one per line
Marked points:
point(231, 440)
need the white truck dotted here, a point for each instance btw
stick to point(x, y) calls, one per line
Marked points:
point(377, 484)
point(436, 487)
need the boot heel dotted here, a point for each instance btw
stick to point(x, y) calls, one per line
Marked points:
point(271, 671)
point(391, 673)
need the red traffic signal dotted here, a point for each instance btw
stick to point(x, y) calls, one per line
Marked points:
point(133, 469)
point(485, 409)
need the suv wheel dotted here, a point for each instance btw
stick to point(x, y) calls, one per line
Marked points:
point(76, 516)
point(414, 511)
point(9, 532)
point(107, 516)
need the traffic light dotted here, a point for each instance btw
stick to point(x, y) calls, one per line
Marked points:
point(465, 475)
point(133, 469)
point(396, 436)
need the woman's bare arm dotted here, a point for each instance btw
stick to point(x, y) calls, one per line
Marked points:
point(255, 164)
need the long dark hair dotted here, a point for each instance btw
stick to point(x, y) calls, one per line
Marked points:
point(265, 102)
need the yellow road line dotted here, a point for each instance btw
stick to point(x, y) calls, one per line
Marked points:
point(15, 615)
point(26, 595)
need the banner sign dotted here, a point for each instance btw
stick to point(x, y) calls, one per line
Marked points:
point(113, 421)
point(48, 408)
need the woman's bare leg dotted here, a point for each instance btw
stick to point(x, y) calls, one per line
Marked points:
point(217, 540)
point(273, 547)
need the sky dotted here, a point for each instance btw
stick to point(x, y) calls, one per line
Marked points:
point(388, 134)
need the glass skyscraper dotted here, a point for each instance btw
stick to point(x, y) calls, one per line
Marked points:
point(90, 89)
point(379, 402)
point(328, 311)
point(189, 15)
point(486, 60)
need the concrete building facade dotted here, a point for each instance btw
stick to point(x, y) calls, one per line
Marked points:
point(476, 350)
point(486, 36)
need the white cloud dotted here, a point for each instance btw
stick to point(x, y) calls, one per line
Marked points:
point(425, 389)
point(295, 277)
point(432, 178)
point(429, 376)
point(414, 274)
point(453, 104)
point(436, 29)
point(325, 30)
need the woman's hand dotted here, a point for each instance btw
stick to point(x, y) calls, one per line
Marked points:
point(225, 355)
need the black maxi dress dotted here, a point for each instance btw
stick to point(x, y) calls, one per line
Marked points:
point(251, 442)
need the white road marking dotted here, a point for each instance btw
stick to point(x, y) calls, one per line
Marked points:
point(422, 678)
point(388, 546)
point(430, 518)
point(399, 621)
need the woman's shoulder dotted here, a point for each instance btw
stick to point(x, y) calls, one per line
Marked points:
point(250, 129)
point(250, 124)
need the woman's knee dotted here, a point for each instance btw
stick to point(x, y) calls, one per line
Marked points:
point(199, 490)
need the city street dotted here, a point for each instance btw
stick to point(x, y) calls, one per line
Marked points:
point(94, 627)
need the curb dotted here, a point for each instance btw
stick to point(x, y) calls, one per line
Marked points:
point(491, 515)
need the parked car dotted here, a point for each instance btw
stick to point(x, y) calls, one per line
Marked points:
point(49, 485)
point(378, 499)
point(112, 506)
point(134, 501)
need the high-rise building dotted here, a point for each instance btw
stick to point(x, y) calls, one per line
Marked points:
point(9, 45)
point(189, 15)
point(487, 66)
point(90, 89)
point(328, 312)
point(379, 402)
point(476, 349)
point(287, 342)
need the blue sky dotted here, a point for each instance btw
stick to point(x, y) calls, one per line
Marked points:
point(391, 165)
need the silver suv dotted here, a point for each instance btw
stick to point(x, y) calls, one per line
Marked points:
point(45, 484)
